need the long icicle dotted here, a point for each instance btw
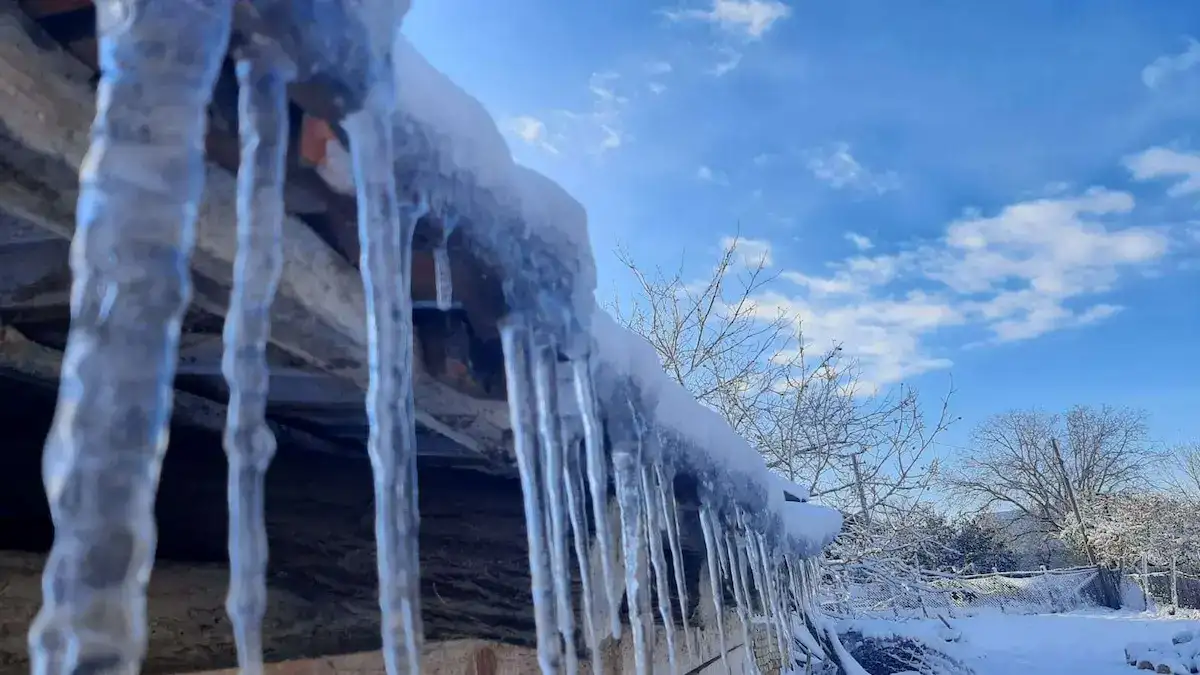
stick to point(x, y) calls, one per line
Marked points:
point(774, 612)
point(573, 481)
point(514, 335)
point(597, 473)
point(670, 515)
point(385, 232)
point(627, 461)
point(263, 75)
point(658, 560)
point(140, 189)
point(714, 578)
point(545, 370)
point(741, 596)
point(800, 622)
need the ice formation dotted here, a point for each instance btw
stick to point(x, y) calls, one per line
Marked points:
point(590, 406)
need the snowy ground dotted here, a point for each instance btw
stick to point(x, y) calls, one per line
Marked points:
point(1090, 642)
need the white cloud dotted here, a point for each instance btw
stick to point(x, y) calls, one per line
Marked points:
point(531, 130)
point(1031, 268)
point(839, 169)
point(748, 18)
point(860, 242)
point(1159, 163)
point(593, 131)
point(1169, 65)
point(656, 87)
point(752, 253)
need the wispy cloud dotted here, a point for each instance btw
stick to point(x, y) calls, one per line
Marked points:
point(1164, 163)
point(595, 131)
point(838, 168)
point(750, 19)
point(1168, 65)
point(751, 253)
point(860, 242)
point(1031, 268)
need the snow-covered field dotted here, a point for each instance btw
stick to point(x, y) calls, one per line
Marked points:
point(992, 643)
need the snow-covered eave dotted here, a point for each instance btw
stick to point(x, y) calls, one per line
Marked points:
point(451, 146)
point(703, 444)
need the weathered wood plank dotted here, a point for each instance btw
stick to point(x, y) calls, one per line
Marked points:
point(46, 109)
point(21, 355)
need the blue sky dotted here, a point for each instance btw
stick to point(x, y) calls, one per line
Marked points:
point(1002, 192)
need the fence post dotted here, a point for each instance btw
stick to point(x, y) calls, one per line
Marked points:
point(1145, 580)
point(1174, 583)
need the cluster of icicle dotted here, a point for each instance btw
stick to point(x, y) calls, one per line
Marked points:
point(582, 420)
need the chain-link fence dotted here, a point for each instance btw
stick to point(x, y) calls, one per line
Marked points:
point(882, 590)
point(1165, 590)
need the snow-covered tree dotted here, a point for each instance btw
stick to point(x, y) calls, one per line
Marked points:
point(1124, 527)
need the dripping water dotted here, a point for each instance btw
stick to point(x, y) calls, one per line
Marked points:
point(263, 122)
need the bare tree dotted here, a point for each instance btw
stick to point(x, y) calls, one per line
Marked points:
point(1012, 462)
point(1182, 474)
point(801, 408)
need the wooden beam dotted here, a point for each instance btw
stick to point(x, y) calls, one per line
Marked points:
point(22, 355)
point(46, 110)
point(39, 9)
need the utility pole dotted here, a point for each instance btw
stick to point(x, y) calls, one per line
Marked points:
point(862, 491)
point(1114, 600)
point(1066, 480)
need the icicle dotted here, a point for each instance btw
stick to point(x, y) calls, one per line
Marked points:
point(385, 230)
point(627, 463)
point(263, 76)
point(670, 516)
point(742, 600)
point(752, 559)
point(712, 548)
point(573, 482)
point(785, 609)
point(774, 614)
point(803, 609)
point(597, 473)
point(514, 335)
point(443, 280)
point(140, 189)
point(658, 560)
point(546, 385)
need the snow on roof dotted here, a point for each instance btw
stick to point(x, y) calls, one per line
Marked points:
point(468, 149)
point(713, 449)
